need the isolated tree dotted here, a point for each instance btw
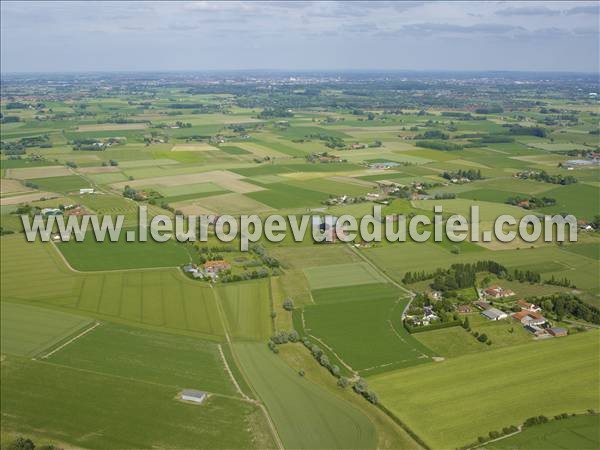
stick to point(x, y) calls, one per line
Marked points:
point(466, 325)
point(288, 304)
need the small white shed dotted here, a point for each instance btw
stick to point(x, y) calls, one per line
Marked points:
point(192, 395)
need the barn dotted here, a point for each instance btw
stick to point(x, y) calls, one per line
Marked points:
point(192, 395)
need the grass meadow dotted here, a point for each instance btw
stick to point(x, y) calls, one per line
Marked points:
point(69, 183)
point(91, 409)
point(28, 330)
point(579, 432)
point(148, 356)
point(356, 321)
point(320, 277)
point(306, 415)
point(247, 308)
point(158, 298)
point(90, 255)
point(520, 382)
point(455, 341)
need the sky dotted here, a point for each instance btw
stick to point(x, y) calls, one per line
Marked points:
point(226, 35)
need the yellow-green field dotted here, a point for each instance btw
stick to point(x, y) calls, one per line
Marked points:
point(160, 298)
point(451, 403)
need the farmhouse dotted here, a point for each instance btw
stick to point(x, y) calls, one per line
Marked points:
point(494, 314)
point(529, 318)
point(192, 395)
point(497, 292)
point(526, 306)
point(463, 309)
point(76, 211)
point(434, 295)
point(388, 188)
point(86, 191)
point(214, 267)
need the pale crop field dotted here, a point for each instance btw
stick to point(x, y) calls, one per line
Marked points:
point(225, 179)
point(37, 172)
point(26, 198)
point(223, 204)
point(8, 186)
point(112, 126)
point(200, 147)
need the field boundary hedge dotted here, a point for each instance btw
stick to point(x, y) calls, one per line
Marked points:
point(437, 326)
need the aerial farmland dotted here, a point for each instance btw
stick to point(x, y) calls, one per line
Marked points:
point(235, 339)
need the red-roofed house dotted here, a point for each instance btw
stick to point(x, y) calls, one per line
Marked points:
point(216, 266)
point(529, 318)
point(528, 306)
point(498, 292)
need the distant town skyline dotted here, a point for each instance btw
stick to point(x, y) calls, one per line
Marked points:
point(295, 36)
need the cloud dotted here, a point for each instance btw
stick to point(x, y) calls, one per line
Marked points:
point(480, 28)
point(591, 9)
point(545, 11)
point(528, 11)
point(310, 34)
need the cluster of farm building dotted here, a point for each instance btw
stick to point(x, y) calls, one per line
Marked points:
point(209, 270)
point(529, 316)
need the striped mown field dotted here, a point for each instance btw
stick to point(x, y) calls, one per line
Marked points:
point(161, 297)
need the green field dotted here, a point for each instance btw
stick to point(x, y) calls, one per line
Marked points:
point(247, 308)
point(520, 382)
point(69, 183)
point(297, 405)
point(321, 277)
point(579, 432)
point(281, 195)
point(198, 188)
point(581, 200)
point(159, 298)
point(455, 341)
point(90, 255)
point(85, 408)
point(590, 249)
point(28, 331)
point(148, 356)
point(357, 321)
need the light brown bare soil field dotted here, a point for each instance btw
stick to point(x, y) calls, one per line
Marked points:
point(27, 173)
point(27, 198)
point(227, 180)
point(12, 186)
point(100, 169)
point(112, 126)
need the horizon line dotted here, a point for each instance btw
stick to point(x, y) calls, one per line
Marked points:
point(283, 70)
